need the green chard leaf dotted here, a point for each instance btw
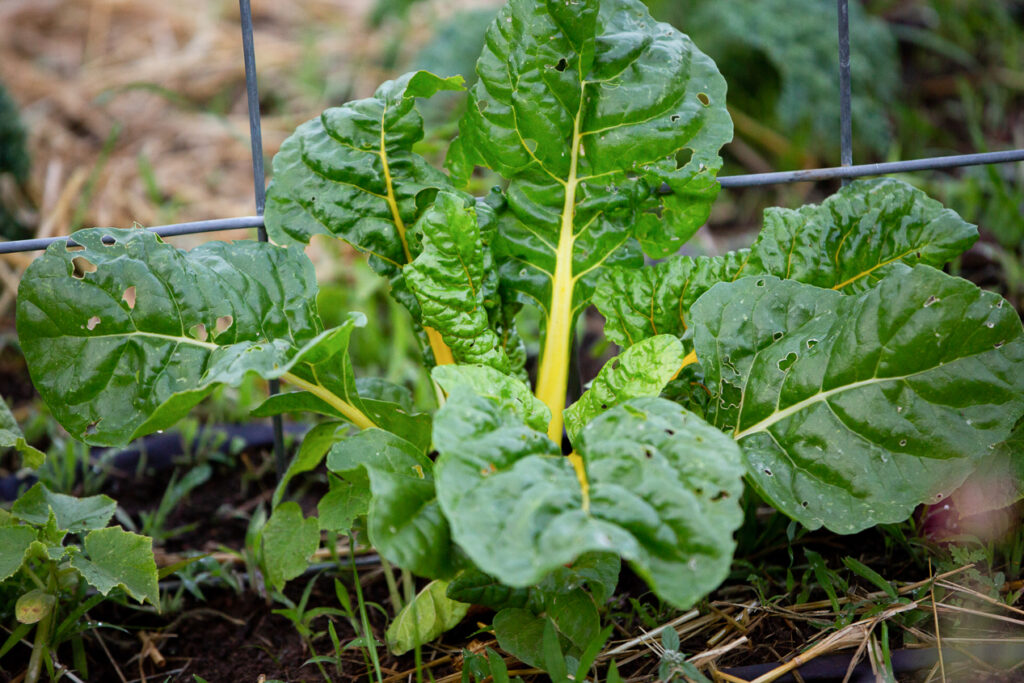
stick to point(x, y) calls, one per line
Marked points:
point(12, 437)
point(153, 330)
point(430, 614)
point(509, 392)
point(851, 410)
point(119, 558)
point(351, 173)
point(641, 370)
point(585, 107)
point(856, 237)
point(455, 281)
point(404, 520)
point(998, 481)
point(655, 484)
point(315, 444)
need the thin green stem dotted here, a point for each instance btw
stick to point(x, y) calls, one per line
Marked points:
point(389, 579)
point(368, 638)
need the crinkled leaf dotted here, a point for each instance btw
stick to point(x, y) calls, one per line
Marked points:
point(404, 520)
point(455, 281)
point(851, 410)
point(70, 513)
point(15, 541)
point(142, 331)
point(867, 230)
point(641, 370)
point(430, 614)
point(584, 107)
point(12, 437)
point(119, 558)
point(288, 541)
point(511, 393)
point(662, 491)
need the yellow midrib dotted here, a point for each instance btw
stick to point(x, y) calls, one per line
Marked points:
point(554, 366)
point(442, 353)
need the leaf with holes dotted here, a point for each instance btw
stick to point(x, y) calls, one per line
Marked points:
point(867, 230)
point(589, 108)
point(654, 484)
point(153, 329)
point(851, 410)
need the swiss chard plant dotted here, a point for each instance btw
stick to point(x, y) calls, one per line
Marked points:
point(832, 366)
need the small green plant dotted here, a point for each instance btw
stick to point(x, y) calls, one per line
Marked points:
point(54, 546)
point(831, 367)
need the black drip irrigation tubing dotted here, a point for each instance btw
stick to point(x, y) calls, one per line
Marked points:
point(162, 450)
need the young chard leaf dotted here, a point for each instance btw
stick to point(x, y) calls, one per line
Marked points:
point(404, 520)
point(641, 370)
point(455, 281)
point(584, 107)
point(430, 614)
point(351, 173)
point(849, 242)
point(851, 410)
point(656, 485)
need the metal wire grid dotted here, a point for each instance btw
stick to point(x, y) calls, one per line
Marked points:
point(845, 172)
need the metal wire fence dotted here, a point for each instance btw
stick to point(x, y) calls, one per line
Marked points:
point(845, 172)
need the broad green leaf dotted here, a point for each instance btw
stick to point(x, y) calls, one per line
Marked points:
point(585, 107)
point(404, 520)
point(598, 571)
point(455, 281)
point(864, 232)
point(11, 437)
point(315, 445)
point(70, 513)
point(998, 481)
point(343, 503)
point(288, 541)
point(119, 558)
point(851, 410)
point(662, 490)
point(430, 614)
point(641, 370)
point(571, 613)
point(510, 392)
point(520, 633)
point(15, 541)
point(152, 329)
point(351, 173)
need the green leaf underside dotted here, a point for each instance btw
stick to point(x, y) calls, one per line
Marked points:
point(856, 237)
point(15, 541)
point(584, 110)
point(119, 558)
point(70, 513)
point(130, 347)
point(288, 541)
point(455, 282)
point(404, 520)
point(430, 614)
point(12, 437)
point(851, 410)
point(663, 493)
point(641, 370)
